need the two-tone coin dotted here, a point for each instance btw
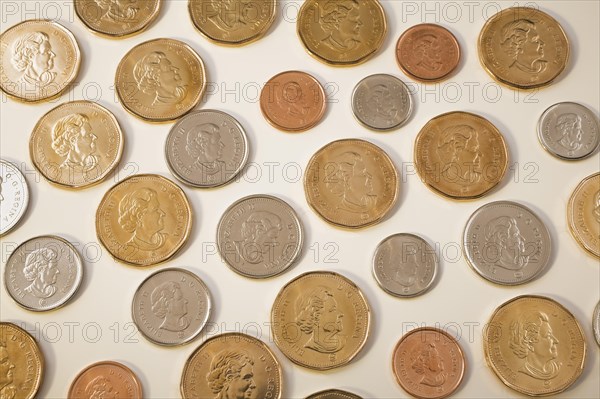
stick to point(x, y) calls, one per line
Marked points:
point(583, 214)
point(107, 379)
point(117, 19)
point(333, 394)
point(596, 323)
point(14, 196)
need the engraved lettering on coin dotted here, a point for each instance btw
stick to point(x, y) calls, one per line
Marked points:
point(105, 380)
point(259, 232)
point(458, 149)
point(503, 234)
point(42, 271)
point(426, 362)
point(74, 141)
point(231, 375)
point(101, 388)
point(349, 180)
point(8, 390)
point(157, 76)
point(523, 45)
point(427, 51)
point(169, 304)
point(121, 11)
point(14, 196)
point(341, 21)
point(140, 214)
point(205, 146)
point(33, 56)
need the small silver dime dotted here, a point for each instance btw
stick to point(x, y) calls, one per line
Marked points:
point(206, 148)
point(43, 273)
point(381, 102)
point(569, 131)
point(259, 236)
point(171, 307)
point(333, 394)
point(506, 243)
point(14, 196)
point(596, 323)
point(404, 265)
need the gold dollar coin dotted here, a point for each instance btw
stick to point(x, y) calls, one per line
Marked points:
point(523, 47)
point(583, 214)
point(351, 183)
point(39, 59)
point(76, 144)
point(117, 19)
point(534, 345)
point(144, 220)
point(160, 80)
point(320, 320)
point(232, 22)
point(342, 32)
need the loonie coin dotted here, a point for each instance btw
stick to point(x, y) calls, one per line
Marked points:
point(596, 323)
point(144, 220)
point(231, 362)
point(43, 273)
point(39, 59)
point(534, 345)
point(333, 394)
point(351, 183)
point(320, 320)
point(428, 363)
point(460, 155)
point(14, 196)
point(160, 80)
point(523, 47)
point(381, 102)
point(21, 361)
point(76, 144)
point(583, 214)
point(428, 52)
point(106, 379)
point(342, 33)
point(117, 19)
point(232, 22)
point(259, 236)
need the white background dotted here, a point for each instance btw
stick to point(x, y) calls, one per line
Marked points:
point(96, 324)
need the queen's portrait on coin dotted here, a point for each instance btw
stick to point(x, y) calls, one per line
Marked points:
point(204, 145)
point(7, 389)
point(41, 270)
point(381, 103)
point(141, 215)
point(260, 232)
point(74, 141)
point(100, 388)
point(340, 20)
point(351, 182)
point(568, 127)
point(33, 56)
point(504, 244)
point(522, 44)
point(458, 149)
point(229, 15)
point(426, 362)
point(292, 98)
point(231, 375)
point(169, 304)
point(426, 50)
point(123, 11)
point(156, 76)
point(406, 270)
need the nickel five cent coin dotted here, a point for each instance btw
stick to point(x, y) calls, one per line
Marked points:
point(117, 19)
point(333, 394)
point(14, 196)
point(596, 323)
point(583, 214)
point(106, 378)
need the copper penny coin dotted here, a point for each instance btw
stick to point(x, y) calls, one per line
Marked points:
point(293, 101)
point(106, 380)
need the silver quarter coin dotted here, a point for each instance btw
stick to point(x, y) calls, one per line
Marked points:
point(259, 236)
point(206, 148)
point(14, 196)
point(381, 102)
point(43, 273)
point(404, 265)
point(596, 323)
point(506, 243)
point(171, 307)
point(569, 131)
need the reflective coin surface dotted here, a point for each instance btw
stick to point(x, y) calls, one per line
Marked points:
point(260, 236)
point(106, 379)
point(14, 196)
point(117, 18)
point(596, 323)
point(206, 148)
point(333, 394)
point(381, 102)
point(583, 214)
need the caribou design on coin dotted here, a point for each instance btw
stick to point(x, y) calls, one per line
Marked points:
point(169, 304)
point(33, 56)
point(231, 375)
point(156, 75)
point(141, 215)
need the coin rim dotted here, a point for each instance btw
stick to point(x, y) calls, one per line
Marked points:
point(596, 323)
point(334, 391)
point(571, 222)
point(25, 201)
point(135, 378)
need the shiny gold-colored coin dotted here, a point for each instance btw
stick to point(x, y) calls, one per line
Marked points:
point(21, 363)
point(231, 365)
point(76, 144)
point(39, 59)
point(342, 32)
point(583, 214)
point(144, 220)
point(232, 22)
point(320, 320)
point(523, 47)
point(117, 19)
point(460, 155)
point(534, 345)
point(160, 80)
point(351, 183)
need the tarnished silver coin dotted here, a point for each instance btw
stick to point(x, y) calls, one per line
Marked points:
point(404, 265)
point(333, 394)
point(43, 273)
point(259, 236)
point(596, 323)
point(381, 102)
point(206, 148)
point(569, 131)
point(14, 196)
point(171, 307)
point(506, 243)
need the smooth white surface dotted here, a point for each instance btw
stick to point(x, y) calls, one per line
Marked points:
point(96, 325)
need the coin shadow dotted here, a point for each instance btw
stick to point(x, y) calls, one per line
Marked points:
point(144, 382)
point(32, 188)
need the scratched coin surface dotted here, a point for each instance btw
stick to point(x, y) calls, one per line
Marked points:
point(534, 345)
point(171, 307)
point(14, 196)
point(333, 394)
point(231, 365)
point(320, 320)
point(293, 101)
point(43, 273)
point(232, 22)
point(117, 18)
point(351, 183)
point(144, 220)
point(381, 102)
point(39, 59)
point(342, 33)
point(460, 155)
point(21, 363)
point(523, 47)
point(583, 214)
point(106, 379)
point(596, 323)
point(160, 80)
point(76, 144)
point(428, 363)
